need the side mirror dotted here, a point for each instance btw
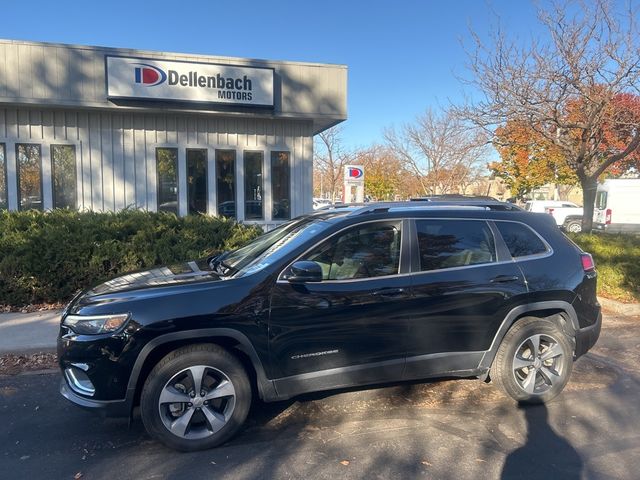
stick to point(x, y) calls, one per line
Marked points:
point(305, 271)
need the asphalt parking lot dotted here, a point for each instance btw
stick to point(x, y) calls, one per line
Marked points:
point(447, 429)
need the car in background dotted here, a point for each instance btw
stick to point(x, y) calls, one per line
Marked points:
point(568, 218)
point(319, 203)
point(617, 206)
point(340, 298)
point(539, 206)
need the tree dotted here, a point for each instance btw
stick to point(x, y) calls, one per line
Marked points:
point(575, 89)
point(386, 177)
point(435, 147)
point(527, 159)
point(330, 158)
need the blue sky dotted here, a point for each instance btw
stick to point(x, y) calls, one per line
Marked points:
point(402, 56)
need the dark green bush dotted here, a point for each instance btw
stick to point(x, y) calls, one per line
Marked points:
point(46, 257)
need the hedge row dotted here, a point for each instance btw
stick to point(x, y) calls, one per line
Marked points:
point(46, 257)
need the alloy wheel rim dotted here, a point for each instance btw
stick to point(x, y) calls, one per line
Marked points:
point(197, 402)
point(575, 228)
point(538, 364)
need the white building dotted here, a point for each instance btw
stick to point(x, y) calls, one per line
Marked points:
point(106, 129)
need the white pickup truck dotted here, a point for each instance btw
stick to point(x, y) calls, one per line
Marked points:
point(568, 216)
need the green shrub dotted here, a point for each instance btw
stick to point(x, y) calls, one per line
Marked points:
point(617, 260)
point(46, 257)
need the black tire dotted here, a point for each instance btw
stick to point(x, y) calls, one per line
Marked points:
point(218, 362)
point(573, 226)
point(513, 379)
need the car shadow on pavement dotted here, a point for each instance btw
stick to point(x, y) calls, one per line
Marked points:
point(545, 453)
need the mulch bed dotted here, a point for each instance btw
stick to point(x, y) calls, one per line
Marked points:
point(11, 364)
point(36, 307)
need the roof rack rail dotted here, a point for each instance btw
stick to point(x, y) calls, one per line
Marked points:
point(379, 207)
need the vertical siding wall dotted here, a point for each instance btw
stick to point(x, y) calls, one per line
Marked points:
point(115, 153)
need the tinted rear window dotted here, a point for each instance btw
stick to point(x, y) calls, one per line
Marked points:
point(454, 243)
point(520, 239)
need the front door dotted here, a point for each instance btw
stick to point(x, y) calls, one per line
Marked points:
point(464, 285)
point(349, 328)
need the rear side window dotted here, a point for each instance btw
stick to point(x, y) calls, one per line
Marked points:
point(520, 239)
point(454, 243)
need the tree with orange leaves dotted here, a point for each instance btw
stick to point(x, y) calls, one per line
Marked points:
point(575, 89)
point(528, 160)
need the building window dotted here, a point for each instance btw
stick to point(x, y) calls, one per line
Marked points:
point(29, 176)
point(253, 186)
point(281, 185)
point(63, 159)
point(226, 182)
point(196, 181)
point(4, 201)
point(167, 166)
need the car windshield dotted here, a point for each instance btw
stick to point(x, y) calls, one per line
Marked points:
point(273, 245)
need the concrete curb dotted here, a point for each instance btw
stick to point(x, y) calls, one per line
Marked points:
point(630, 309)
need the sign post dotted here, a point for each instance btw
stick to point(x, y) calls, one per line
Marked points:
point(353, 187)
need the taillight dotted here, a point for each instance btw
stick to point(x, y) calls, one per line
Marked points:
point(587, 262)
point(550, 211)
point(607, 217)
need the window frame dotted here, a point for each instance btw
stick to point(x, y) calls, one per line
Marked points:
point(272, 180)
point(215, 186)
point(17, 164)
point(177, 150)
point(404, 267)
point(206, 177)
point(245, 180)
point(3, 145)
point(53, 173)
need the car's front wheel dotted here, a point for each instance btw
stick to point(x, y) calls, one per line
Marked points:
point(534, 361)
point(195, 398)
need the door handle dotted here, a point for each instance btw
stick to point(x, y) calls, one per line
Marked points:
point(388, 292)
point(505, 278)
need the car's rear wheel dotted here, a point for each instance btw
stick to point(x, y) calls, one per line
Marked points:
point(573, 226)
point(195, 398)
point(534, 361)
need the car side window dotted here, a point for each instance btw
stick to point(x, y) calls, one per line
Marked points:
point(454, 243)
point(520, 239)
point(364, 251)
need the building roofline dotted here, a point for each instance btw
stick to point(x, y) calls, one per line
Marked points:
point(186, 56)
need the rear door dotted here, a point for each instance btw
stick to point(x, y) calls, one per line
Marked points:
point(464, 284)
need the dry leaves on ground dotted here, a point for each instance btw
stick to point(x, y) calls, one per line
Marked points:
point(11, 364)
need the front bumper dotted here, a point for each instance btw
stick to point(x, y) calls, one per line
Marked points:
point(107, 408)
point(588, 336)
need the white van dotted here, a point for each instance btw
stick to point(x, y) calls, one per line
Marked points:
point(617, 207)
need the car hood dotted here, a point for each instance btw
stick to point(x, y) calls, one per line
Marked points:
point(165, 276)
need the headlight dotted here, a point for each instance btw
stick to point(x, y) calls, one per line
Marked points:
point(94, 324)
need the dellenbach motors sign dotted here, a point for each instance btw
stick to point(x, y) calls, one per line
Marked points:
point(189, 82)
point(354, 174)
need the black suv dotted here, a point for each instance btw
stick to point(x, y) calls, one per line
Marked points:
point(343, 297)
